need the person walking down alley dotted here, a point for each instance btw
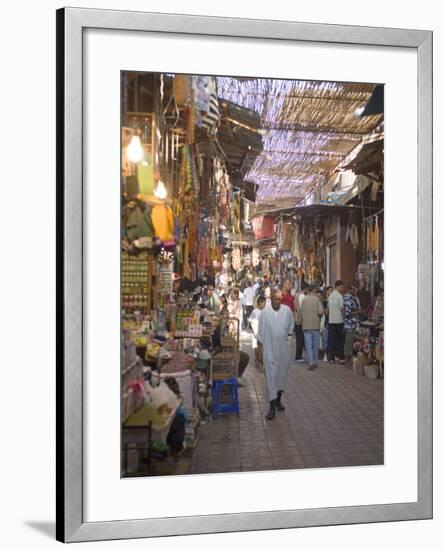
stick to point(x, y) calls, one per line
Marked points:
point(336, 324)
point(275, 326)
point(312, 310)
point(254, 323)
point(324, 332)
point(235, 310)
point(249, 295)
point(298, 300)
point(287, 298)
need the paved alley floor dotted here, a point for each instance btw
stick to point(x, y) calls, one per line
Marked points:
point(333, 417)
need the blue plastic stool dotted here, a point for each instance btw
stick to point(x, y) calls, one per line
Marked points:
point(233, 405)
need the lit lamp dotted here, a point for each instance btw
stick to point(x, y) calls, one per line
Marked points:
point(134, 151)
point(160, 190)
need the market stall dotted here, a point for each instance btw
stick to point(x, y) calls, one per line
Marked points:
point(182, 221)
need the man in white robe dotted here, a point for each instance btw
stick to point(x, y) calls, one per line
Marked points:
point(275, 325)
point(254, 323)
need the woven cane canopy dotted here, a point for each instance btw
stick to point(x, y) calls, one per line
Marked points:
point(308, 129)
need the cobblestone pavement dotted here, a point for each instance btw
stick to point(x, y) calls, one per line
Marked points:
point(333, 417)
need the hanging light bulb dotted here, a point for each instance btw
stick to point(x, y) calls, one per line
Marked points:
point(134, 151)
point(160, 191)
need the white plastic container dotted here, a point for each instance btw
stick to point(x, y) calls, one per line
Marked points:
point(185, 381)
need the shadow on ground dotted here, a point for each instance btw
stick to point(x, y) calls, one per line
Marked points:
point(45, 527)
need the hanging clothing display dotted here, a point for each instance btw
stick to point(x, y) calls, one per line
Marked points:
point(186, 260)
point(203, 257)
point(209, 118)
point(378, 309)
point(354, 236)
point(287, 234)
point(296, 243)
point(368, 277)
point(374, 190)
point(201, 92)
point(235, 213)
point(373, 240)
point(182, 89)
point(376, 238)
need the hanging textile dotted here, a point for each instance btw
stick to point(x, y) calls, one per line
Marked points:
point(354, 236)
point(369, 240)
point(376, 238)
point(193, 271)
point(186, 260)
point(213, 254)
point(163, 222)
point(224, 201)
point(347, 232)
point(201, 92)
point(195, 180)
point(210, 118)
point(279, 236)
point(203, 257)
point(235, 213)
point(139, 224)
point(145, 175)
point(190, 117)
point(182, 89)
point(381, 240)
point(192, 235)
point(296, 243)
point(287, 233)
point(374, 190)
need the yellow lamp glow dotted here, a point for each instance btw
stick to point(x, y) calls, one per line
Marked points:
point(160, 191)
point(134, 151)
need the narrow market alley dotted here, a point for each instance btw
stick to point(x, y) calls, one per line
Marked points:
point(252, 229)
point(332, 418)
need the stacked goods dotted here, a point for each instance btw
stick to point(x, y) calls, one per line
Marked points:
point(134, 282)
point(188, 322)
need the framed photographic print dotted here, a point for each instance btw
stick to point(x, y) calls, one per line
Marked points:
point(244, 225)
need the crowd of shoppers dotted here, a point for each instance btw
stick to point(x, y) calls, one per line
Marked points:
point(323, 320)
